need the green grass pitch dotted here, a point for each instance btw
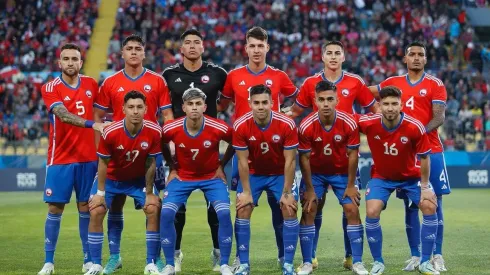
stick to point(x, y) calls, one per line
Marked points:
point(466, 247)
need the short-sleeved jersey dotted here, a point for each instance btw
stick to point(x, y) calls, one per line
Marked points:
point(265, 145)
point(350, 88)
point(419, 98)
point(128, 154)
point(240, 80)
point(210, 78)
point(395, 151)
point(329, 147)
point(197, 156)
point(115, 87)
point(69, 143)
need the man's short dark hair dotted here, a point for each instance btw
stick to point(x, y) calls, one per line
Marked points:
point(334, 42)
point(70, 46)
point(260, 89)
point(324, 85)
point(390, 91)
point(134, 95)
point(257, 33)
point(135, 38)
point(191, 32)
point(415, 44)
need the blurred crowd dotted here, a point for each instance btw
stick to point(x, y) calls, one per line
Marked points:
point(374, 33)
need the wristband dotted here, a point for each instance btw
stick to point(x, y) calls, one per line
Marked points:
point(428, 187)
point(100, 193)
point(89, 123)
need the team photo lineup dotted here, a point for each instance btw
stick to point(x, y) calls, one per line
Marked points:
point(156, 138)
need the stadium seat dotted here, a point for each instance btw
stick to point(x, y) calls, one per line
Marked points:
point(42, 151)
point(20, 151)
point(31, 150)
point(2, 141)
point(44, 142)
point(9, 151)
point(471, 146)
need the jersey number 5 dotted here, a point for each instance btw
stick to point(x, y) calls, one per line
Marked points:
point(135, 154)
point(80, 108)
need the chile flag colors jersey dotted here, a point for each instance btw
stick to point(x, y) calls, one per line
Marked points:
point(265, 145)
point(240, 80)
point(395, 151)
point(69, 143)
point(329, 147)
point(350, 88)
point(116, 86)
point(128, 153)
point(418, 99)
point(197, 156)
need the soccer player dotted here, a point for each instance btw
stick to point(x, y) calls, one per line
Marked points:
point(350, 89)
point(237, 89)
point(265, 142)
point(71, 153)
point(127, 165)
point(424, 97)
point(197, 137)
point(210, 78)
point(111, 98)
point(396, 140)
point(328, 147)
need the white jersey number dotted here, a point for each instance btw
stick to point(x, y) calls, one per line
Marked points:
point(327, 150)
point(135, 154)
point(80, 108)
point(195, 151)
point(265, 147)
point(410, 103)
point(391, 150)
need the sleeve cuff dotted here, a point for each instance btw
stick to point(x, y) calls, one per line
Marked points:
point(54, 105)
point(225, 96)
point(294, 146)
point(240, 148)
point(355, 146)
point(300, 105)
point(370, 104)
point(165, 107)
point(302, 150)
point(155, 154)
point(103, 156)
point(439, 102)
point(424, 153)
point(293, 94)
point(379, 88)
point(98, 106)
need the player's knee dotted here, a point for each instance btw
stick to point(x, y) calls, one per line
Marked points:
point(372, 212)
point(288, 214)
point(244, 212)
point(351, 212)
point(97, 214)
point(321, 203)
point(56, 208)
point(151, 210)
point(82, 206)
point(308, 218)
point(428, 208)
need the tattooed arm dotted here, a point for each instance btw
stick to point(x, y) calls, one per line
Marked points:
point(438, 116)
point(62, 113)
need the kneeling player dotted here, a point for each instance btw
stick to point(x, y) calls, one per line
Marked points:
point(196, 138)
point(268, 140)
point(396, 140)
point(328, 146)
point(127, 165)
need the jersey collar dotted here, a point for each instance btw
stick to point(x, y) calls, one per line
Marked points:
point(396, 127)
point(70, 87)
point(258, 73)
point(267, 126)
point(416, 82)
point(128, 133)
point(323, 126)
point(336, 81)
point(200, 130)
point(136, 78)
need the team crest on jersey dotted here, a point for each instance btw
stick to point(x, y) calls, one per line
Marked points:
point(404, 140)
point(144, 145)
point(268, 83)
point(345, 92)
point(423, 92)
point(147, 88)
point(276, 138)
point(49, 192)
point(337, 138)
point(88, 93)
point(205, 79)
point(207, 144)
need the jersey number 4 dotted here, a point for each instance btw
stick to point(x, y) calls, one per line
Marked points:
point(410, 103)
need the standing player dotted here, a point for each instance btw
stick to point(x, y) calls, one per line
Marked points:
point(111, 97)
point(424, 97)
point(197, 166)
point(350, 89)
point(237, 89)
point(328, 146)
point(71, 152)
point(210, 78)
point(396, 140)
point(266, 143)
point(127, 165)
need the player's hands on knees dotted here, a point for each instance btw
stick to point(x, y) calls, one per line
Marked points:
point(99, 127)
point(287, 201)
point(172, 175)
point(428, 194)
point(309, 198)
point(96, 201)
point(220, 174)
point(244, 199)
point(151, 199)
point(353, 193)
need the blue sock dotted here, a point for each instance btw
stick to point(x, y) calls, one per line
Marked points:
point(291, 233)
point(168, 234)
point(115, 225)
point(152, 241)
point(277, 223)
point(83, 221)
point(412, 228)
point(242, 233)
point(225, 230)
point(428, 235)
point(318, 225)
point(51, 233)
point(95, 240)
point(440, 227)
point(356, 237)
point(347, 247)
point(306, 236)
point(375, 238)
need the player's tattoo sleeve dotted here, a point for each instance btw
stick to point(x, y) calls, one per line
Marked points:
point(62, 113)
point(151, 167)
point(438, 116)
point(289, 169)
point(304, 165)
point(352, 167)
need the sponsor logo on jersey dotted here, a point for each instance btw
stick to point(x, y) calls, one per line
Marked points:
point(121, 89)
point(404, 140)
point(182, 145)
point(88, 93)
point(205, 79)
point(147, 88)
point(345, 92)
point(337, 138)
point(252, 138)
point(276, 138)
point(178, 80)
point(67, 98)
point(120, 147)
point(242, 83)
point(49, 192)
point(377, 137)
point(423, 92)
point(318, 139)
point(207, 144)
point(268, 83)
point(144, 145)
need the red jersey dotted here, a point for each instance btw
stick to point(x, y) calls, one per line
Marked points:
point(69, 143)
point(419, 98)
point(329, 147)
point(240, 80)
point(350, 88)
point(128, 153)
point(395, 151)
point(265, 145)
point(197, 156)
point(116, 86)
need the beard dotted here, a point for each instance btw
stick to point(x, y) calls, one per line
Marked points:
point(70, 72)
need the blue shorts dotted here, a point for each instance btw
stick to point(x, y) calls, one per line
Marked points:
point(274, 184)
point(321, 183)
point(160, 173)
point(235, 176)
point(62, 179)
point(179, 191)
point(379, 189)
point(136, 189)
